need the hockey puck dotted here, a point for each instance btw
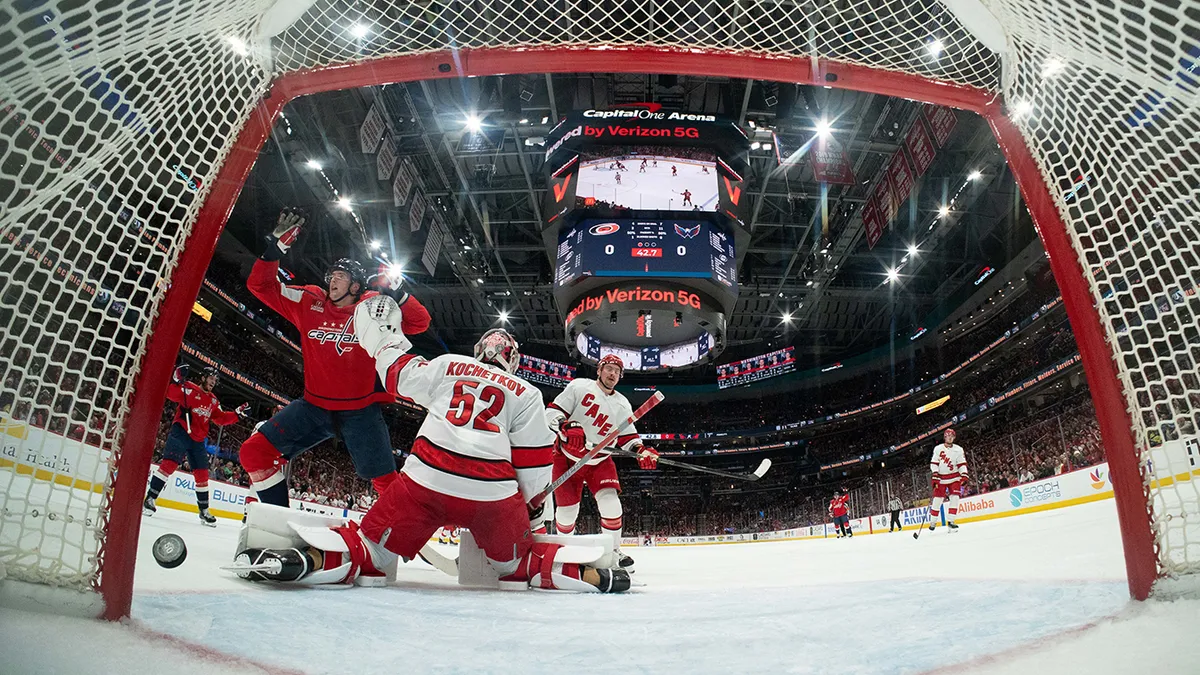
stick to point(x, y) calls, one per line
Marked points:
point(170, 551)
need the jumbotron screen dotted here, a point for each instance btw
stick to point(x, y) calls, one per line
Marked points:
point(546, 372)
point(646, 248)
point(756, 368)
point(649, 179)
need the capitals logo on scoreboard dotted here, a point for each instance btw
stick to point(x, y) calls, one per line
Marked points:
point(687, 232)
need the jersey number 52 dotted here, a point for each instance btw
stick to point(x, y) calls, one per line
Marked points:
point(462, 406)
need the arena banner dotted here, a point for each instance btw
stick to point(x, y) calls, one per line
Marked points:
point(51, 457)
point(229, 501)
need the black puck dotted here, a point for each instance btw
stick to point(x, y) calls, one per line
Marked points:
point(170, 551)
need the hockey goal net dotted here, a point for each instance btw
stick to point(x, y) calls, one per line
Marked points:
point(127, 129)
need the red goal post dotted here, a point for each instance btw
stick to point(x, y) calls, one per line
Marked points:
point(302, 60)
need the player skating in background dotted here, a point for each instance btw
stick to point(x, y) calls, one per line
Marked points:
point(448, 534)
point(198, 406)
point(481, 455)
point(949, 469)
point(618, 178)
point(674, 171)
point(687, 197)
point(341, 391)
point(642, 168)
point(839, 509)
point(582, 415)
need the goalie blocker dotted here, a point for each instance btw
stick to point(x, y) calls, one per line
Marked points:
point(283, 545)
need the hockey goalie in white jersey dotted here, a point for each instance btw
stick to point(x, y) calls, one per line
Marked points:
point(582, 415)
point(482, 453)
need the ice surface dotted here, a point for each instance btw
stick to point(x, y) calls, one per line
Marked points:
point(654, 190)
point(1043, 591)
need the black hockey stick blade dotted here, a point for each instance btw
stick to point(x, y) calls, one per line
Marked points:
point(760, 471)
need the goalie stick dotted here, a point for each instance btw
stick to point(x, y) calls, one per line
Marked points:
point(754, 475)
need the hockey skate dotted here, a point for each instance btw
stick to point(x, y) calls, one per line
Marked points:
point(148, 507)
point(623, 561)
point(207, 518)
point(952, 526)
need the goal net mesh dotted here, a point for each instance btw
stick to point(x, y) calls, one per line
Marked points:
point(116, 117)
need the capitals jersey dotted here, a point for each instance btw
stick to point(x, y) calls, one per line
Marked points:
point(197, 408)
point(485, 435)
point(583, 401)
point(840, 505)
point(337, 374)
point(949, 463)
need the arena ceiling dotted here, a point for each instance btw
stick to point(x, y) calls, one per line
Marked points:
point(808, 259)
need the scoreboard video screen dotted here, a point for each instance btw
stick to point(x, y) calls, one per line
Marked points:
point(646, 248)
point(756, 368)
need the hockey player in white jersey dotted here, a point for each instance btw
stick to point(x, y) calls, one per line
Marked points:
point(583, 414)
point(949, 469)
point(481, 455)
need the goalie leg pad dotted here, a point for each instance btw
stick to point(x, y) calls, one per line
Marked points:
point(349, 553)
point(548, 569)
point(269, 526)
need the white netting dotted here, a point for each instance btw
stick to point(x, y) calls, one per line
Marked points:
point(115, 117)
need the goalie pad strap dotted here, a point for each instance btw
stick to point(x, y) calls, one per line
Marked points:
point(547, 566)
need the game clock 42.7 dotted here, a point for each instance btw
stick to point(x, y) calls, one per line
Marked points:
point(645, 248)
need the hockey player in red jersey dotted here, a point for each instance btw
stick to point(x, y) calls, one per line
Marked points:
point(839, 509)
point(481, 457)
point(583, 414)
point(342, 394)
point(949, 469)
point(198, 406)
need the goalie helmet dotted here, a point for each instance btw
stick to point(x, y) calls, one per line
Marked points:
point(611, 358)
point(498, 347)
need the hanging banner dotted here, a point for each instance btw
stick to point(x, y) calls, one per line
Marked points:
point(830, 163)
point(433, 246)
point(386, 159)
point(901, 177)
point(885, 199)
point(872, 222)
point(919, 147)
point(416, 213)
point(941, 120)
point(371, 131)
point(402, 184)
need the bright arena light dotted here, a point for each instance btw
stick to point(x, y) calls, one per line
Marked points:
point(787, 317)
point(474, 124)
point(313, 164)
point(375, 245)
point(824, 128)
point(913, 250)
point(892, 276)
point(238, 46)
point(360, 30)
point(944, 211)
point(936, 47)
point(1022, 108)
point(344, 203)
point(503, 316)
point(975, 175)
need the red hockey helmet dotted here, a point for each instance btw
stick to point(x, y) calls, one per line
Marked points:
point(949, 434)
point(611, 358)
point(499, 348)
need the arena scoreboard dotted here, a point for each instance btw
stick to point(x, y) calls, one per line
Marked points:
point(644, 226)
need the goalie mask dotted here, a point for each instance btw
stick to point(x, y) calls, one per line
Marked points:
point(498, 347)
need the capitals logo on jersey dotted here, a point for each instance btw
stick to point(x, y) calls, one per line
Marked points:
point(687, 232)
point(343, 339)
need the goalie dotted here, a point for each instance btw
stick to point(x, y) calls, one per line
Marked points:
point(481, 455)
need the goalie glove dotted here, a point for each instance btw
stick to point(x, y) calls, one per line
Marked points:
point(180, 375)
point(377, 327)
point(243, 410)
point(571, 437)
point(647, 457)
point(287, 229)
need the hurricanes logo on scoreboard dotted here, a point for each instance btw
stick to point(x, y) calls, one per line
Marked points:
point(605, 228)
point(687, 232)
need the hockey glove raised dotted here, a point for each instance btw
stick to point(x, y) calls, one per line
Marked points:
point(377, 326)
point(243, 410)
point(180, 374)
point(287, 229)
point(647, 457)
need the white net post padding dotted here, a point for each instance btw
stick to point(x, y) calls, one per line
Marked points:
point(115, 119)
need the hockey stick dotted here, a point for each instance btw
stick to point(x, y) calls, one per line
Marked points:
point(921, 527)
point(758, 472)
point(608, 440)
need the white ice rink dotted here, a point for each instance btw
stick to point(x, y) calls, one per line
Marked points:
point(1036, 593)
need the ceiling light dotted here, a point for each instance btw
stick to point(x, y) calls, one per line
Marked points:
point(824, 128)
point(808, 283)
point(936, 48)
point(344, 203)
point(545, 119)
point(360, 30)
point(975, 175)
point(755, 145)
point(892, 276)
point(375, 245)
point(503, 316)
point(479, 281)
point(913, 250)
point(787, 317)
point(766, 146)
point(524, 121)
point(238, 47)
point(395, 269)
point(313, 164)
point(1022, 108)
point(474, 124)
point(944, 211)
